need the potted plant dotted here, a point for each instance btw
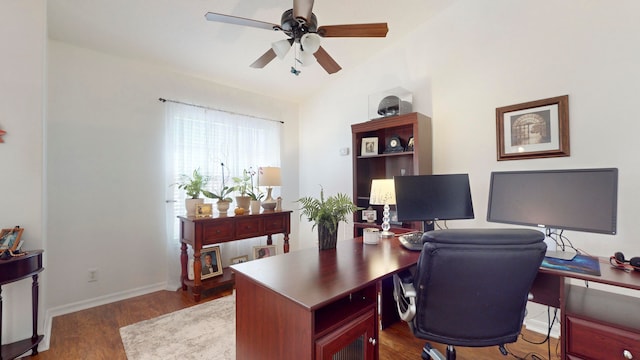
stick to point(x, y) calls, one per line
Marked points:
point(326, 214)
point(242, 186)
point(255, 194)
point(222, 195)
point(193, 185)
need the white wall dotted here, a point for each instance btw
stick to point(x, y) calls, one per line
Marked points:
point(476, 56)
point(22, 64)
point(105, 159)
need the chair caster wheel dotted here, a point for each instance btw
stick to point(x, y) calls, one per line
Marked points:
point(425, 352)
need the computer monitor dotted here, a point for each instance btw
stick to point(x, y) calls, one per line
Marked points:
point(428, 198)
point(575, 199)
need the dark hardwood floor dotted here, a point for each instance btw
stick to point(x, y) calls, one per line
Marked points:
point(93, 334)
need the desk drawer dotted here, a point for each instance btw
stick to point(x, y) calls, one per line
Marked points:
point(217, 232)
point(591, 340)
point(247, 228)
point(275, 224)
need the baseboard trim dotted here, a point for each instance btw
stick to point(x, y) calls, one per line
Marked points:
point(542, 327)
point(87, 304)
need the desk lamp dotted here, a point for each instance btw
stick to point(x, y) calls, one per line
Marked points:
point(383, 192)
point(269, 177)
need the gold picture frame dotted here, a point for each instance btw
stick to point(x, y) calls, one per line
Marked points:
point(536, 129)
point(204, 210)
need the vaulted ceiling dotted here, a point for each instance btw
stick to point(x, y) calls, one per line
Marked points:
point(176, 35)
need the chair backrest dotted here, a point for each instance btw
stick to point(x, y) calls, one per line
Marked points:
point(472, 284)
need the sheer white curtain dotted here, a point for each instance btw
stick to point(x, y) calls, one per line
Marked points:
point(197, 137)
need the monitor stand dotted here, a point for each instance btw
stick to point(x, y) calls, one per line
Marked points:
point(562, 255)
point(552, 247)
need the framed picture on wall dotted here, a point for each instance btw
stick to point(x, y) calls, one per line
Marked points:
point(536, 129)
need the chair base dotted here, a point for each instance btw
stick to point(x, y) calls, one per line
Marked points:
point(429, 353)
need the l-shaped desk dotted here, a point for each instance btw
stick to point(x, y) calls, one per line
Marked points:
point(311, 304)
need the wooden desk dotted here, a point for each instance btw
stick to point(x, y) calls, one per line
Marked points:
point(595, 324)
point(310, 304)
point(199, 232)
point(14, 269)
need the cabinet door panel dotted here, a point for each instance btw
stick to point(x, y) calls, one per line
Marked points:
point(591, 340)
point(353, 341)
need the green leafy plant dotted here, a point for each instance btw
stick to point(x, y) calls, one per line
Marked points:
point(327, 212)
point(243, 184)
point(193, 185)
point(223, 193)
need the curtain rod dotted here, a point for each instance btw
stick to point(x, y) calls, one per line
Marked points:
point(210, 108)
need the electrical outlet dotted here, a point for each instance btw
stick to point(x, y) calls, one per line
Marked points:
point(92, 275)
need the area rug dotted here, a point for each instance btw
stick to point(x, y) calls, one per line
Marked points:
point(204, 331)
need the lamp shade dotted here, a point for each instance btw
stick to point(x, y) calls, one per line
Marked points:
point(307, 58)
point(269, 176)
point(383, 192)
point(310, 42)
point(281, 48)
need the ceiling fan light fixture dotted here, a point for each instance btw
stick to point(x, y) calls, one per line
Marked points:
point(307, 58)
point(310, 42)
point(281, 48)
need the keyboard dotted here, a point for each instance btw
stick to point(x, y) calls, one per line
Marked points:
point(412, 241)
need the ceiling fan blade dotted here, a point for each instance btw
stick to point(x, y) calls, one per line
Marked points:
point(264, 59)
point(240, 21)
point(354, 30)
point(326, 61)
point(302, 9)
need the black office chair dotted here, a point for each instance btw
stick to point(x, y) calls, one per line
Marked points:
point(470, 287)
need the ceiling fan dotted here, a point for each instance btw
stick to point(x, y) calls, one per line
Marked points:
point(301, 26)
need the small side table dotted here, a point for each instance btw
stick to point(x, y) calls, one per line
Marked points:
point(14, 269)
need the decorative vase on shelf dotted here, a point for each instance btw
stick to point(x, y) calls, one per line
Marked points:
point(190, 205)
point(255, 206)
point(243, 202)
point(327, 239)
point(223, 206)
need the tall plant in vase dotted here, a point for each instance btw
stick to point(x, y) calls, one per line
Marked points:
point(243, 185)
point(255, 194)
point(222, 195)
point(326, 214)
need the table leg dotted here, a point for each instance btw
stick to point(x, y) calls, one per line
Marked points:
point(34, 311)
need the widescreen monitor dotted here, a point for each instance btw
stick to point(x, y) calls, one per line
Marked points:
point(576, 199)
point(429, 198)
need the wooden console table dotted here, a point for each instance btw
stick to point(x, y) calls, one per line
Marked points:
point(14, 269)
point(199, 232)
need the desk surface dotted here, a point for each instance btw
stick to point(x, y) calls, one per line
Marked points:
point(314, 278)
point(608, 275)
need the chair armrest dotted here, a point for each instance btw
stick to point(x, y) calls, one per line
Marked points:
point(405, 296)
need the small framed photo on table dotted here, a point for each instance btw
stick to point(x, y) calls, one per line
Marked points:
point(264, 251)
point(239, 259)
point(369, 146)
point(210, 261)
point(204, 210)
point(10, 238)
